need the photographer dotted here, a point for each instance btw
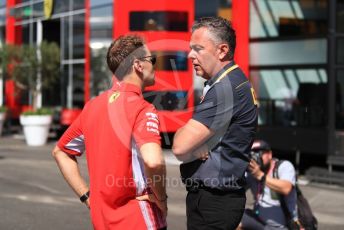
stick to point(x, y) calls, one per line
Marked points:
point(267, 190)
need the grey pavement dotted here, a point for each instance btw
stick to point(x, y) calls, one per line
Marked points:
point(33, 194)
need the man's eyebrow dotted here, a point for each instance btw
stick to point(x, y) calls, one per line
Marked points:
point(196, 46)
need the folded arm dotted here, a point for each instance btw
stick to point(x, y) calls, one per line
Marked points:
point(190, 140)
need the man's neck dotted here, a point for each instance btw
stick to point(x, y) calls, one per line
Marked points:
point(219, 67)
point(134, 79)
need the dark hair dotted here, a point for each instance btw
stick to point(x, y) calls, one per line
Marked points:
point(221, 29)
point(122, 52)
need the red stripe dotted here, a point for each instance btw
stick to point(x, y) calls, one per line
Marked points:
point(13, 36)
point(241, 23)
point(13, 33)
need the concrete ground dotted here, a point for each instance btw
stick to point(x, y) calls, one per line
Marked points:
point(33, 195)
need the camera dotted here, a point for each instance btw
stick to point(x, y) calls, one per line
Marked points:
point(257, 157)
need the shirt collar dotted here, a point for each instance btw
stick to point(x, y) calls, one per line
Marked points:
point(125, 87)
point(212, 80)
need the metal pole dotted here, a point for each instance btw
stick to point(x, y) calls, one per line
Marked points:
point(1, 87)
point(39, 57)
point(62, 67)
point(331, 54)
point(70, 65)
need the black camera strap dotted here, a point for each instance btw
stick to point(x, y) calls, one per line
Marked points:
point(261, 186)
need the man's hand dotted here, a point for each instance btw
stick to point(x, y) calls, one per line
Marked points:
point(201, 153)
point(87, 203)
point(190, 137)
point(162, 205)
point(278, 185)
point(155, 172)
point(254, 169)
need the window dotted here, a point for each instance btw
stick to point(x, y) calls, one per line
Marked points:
point(79, 36)
point(171, 60)
point(61, 6)
point(2, 23)
point(101, 3)
point(340, 100)
point(159, 21)
point(167, 100)
point(291, 97)
point(288, 55)
point(101, 22)
point(2, 16)
point(78, 4)
point(2, 3)
point(340, 51)
point(293, 52)
point(288, 18)
point(340, 16)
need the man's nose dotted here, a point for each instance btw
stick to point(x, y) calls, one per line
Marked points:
point(191, 54)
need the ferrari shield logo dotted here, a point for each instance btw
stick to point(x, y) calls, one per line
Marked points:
point(114, 97)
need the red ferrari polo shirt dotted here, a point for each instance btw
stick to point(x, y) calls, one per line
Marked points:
point(111, 128)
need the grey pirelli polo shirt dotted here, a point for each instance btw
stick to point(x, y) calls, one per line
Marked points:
point(230, 110)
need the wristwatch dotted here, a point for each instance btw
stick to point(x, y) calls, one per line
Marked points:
point(85, 196)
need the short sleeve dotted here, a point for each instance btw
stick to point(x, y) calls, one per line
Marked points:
point(72, 141)
point(147, 126)
point(216, 109)
point(286, 171)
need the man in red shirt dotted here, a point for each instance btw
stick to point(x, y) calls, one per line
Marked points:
point(119, 131)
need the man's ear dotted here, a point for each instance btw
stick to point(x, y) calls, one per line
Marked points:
point(224, 50)
point(138, 66)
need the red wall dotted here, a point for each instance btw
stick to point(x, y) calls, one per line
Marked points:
point(241, 20)
point(13, 36)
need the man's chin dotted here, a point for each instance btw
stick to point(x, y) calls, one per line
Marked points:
point(199, 73)
point(203, 75)
point(150, 83)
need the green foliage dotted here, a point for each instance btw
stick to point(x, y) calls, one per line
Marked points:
point(25, 63)
point(101, 75)
point(50, 63)
point(25, 66)
point(41, 111)
point(3, 109)
point(9, 56)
